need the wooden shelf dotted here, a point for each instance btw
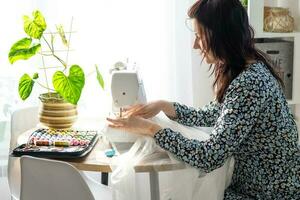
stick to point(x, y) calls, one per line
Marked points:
point(276, 35)
point(256, 16)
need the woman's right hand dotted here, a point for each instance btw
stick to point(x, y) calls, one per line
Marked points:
point(146, 111)
point(151, 109)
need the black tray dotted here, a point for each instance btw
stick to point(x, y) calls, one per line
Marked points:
point(55, 151)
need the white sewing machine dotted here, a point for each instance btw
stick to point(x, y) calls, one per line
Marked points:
point(126, 89)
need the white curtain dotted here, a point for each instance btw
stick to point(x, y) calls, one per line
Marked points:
point(150, 33)
point(11, 30)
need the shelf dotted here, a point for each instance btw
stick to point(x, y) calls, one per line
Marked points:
point(291, 102)
point(256, 18)
point(276, 35)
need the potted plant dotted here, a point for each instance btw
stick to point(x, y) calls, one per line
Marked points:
point(59, 103)
point(244, 3)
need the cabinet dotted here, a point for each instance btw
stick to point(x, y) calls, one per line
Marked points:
point(256, 19)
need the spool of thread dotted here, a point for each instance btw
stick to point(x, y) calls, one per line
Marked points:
point(110, 152)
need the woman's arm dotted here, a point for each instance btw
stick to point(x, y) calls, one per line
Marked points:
point(240, 112)
point(189, 116)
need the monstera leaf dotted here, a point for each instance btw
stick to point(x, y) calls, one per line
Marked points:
point(36, 26)
point(69, 87)
point(23, 50)
point(25, 86)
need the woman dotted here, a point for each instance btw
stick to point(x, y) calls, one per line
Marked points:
point(250, 116)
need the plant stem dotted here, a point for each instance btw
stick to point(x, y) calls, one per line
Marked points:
point(60, 60)
point(52, 50)
point(45, 87)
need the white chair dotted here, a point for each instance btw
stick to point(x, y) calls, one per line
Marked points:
point(51, 179)
point(21, 121)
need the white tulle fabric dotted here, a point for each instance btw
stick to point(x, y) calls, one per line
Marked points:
point(188, 183)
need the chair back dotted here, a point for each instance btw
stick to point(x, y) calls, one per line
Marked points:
point(21, 121)
point(51, 179)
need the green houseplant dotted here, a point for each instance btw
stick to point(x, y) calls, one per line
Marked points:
point(244, 3)
point(59, 102)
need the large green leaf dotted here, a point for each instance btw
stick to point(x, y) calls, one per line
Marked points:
point(99, 77)
point(69, 87)
point(36, 26)
point(25, 86)
point(23, 49)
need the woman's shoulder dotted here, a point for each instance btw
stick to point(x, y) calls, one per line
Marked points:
point(256, 70)
point(255, 75)
point(255, 78)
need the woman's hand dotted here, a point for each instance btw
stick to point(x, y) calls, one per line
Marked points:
point(146, 111)
point(151, 109)
point(135, 124)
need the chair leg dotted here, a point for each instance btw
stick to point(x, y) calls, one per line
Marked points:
point(104, 178)
point(154, 185)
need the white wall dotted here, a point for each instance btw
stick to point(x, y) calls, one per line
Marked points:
point(182, 52)
point(202, 81)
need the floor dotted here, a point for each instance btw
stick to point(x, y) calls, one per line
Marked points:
point(4, 189)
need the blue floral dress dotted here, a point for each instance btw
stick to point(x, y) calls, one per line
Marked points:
point(254, 125)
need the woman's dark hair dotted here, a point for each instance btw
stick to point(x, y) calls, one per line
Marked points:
point(228, 35)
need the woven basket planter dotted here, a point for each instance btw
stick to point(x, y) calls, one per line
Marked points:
point(55, 112)
point(278, 20)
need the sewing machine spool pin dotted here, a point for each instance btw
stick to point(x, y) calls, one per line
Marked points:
point(120, 113)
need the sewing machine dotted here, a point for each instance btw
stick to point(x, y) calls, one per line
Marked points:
point(126, 89)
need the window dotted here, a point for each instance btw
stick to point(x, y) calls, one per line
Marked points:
point(150, 33)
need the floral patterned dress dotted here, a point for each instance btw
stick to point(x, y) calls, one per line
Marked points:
point(254, 125)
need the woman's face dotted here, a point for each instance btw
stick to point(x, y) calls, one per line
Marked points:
point(200, 43)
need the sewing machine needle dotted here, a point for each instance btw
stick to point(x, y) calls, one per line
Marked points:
point(120, 113)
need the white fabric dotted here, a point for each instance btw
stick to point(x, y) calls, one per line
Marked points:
point(99, 191)
point(188, 184)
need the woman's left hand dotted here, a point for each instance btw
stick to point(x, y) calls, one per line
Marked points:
point(135, 124)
